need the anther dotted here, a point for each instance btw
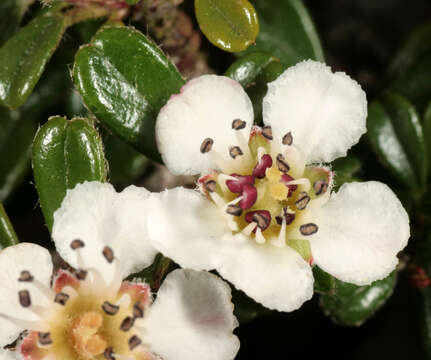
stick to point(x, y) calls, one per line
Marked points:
point(44, 338)
point(282, 165)
point(234, 210)
point(24, 298)
point(320, 187)
point(261, 217)
point(238, 124)
point(134, 341)
point(108, 253)
point(81, 274)
point(249, 197)
point(110, 309)
point(210, 185)
point(264, 163)
point(109, 353)
point(127, 323)
point(76, 244)
point(25, 276)
point(289, 217)
point(267, 132)
point(302, 201)
point(308, 229)
point(285, 179)
point(206, 145)
point(236, 186)
point(287, 139)
point(235, 151)
point(138, 310)
point(61, 298)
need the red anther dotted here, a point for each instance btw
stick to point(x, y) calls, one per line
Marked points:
point(249, 194)
point(236, 186)
point(289, 218)
point(264, 163)
point(285, 178)
point(261, 217)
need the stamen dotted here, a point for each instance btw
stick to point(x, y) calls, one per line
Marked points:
point(280, 241)
point(287, 139)
point(320, 187)
point(44, 338)
point(286, 217)
point(206, 145)
point(249, 197)
point(25, 276)
point(235, 151)
point(282, 165)
point(302, 181)
point(108, 253)
point(25, 324)
point(110, 309)
point(210, 185)
point(261, 217)
point(259, 238)
point(217, 199)
point(264, 163)
point(237, 182)
point(109, 353)
point(61, 298)
point(127, 323)
point(134, 341)
point(24, 298)
point(138, 310)
point(124, 301)
point(249, 229)
point(302, 201)
point(222, 179)
point(234, 210)
point(117, 278)
point(77, 244)
point(267, 132)
point(238, 124)
point(81, 274)
point(308, 229)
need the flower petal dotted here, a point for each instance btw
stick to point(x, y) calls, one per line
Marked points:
point(324, 111)
point(192, 318)
point(8, 355)
point(99, 216)
point(361, 230)
point(205, 108)
point(14, 260)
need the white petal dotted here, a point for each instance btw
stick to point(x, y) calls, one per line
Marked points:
point(205, 108)
point(192, 318)
point(96, 214)
point(13, 260)
point(8, 355)
point(186, 227)
point(361, 230)
point(324, 111)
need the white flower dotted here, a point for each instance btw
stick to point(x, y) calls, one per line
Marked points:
point(265, 211)
point(92, 313)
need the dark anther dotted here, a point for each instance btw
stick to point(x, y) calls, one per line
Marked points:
point(308, 229)
point(264, 163)
point(289, 217)
point(108, 253)
point(127, 323)
point(25, 276)
point(238, 124)
point(285, 179)
point(138, 310)
point(320, 187)
point(109, 308)
point(24, 298)
point(235, 151)
point(44, 338)
point(261, 217)
point(206, 145)
point(109, 353)
point(287, 139)
point(282, 165)
point(267, 132)
point(61, 298)
point(76, 244)
point(234, 210)
point(81, 274)
point(302, 201)
point(134, 341)
point(210, 185)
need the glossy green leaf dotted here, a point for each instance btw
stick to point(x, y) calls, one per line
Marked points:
point(7, 233)
point(397, 138)
point(324, 283)
point(11, 12)
point(246, 309)
point(124, 79)
point(232, 25)
point(254, 71)
point(352, 305)
point(154, 274)
point(23, 58)
point(286, 31)
point(16, 136)
point(65, 153)
point(345, 169)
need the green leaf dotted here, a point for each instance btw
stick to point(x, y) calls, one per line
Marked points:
point(24, 56)
point(287, 31)
point(7, 233)
point(324, 283)
point(16, 136)
point(397, 138)
point(125, 79)
point(246, 309)
point(154, 274)
point(254, 71)
point(345, 168)
point(231, 25)
point(65, 153)
point(11, 12)
point(352, 305)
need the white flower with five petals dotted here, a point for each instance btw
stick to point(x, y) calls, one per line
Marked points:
point(265, 211)
point(92, 313)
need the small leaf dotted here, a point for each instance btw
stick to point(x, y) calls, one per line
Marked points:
point(324, 283)
point(125, 79)
point(232, 25)
point(254, 71)
point(345, 168)
point(24, 56)
point(7, 233)
point(286, 31)
point(396, 136)
point(65, 153)
point(352, 305)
